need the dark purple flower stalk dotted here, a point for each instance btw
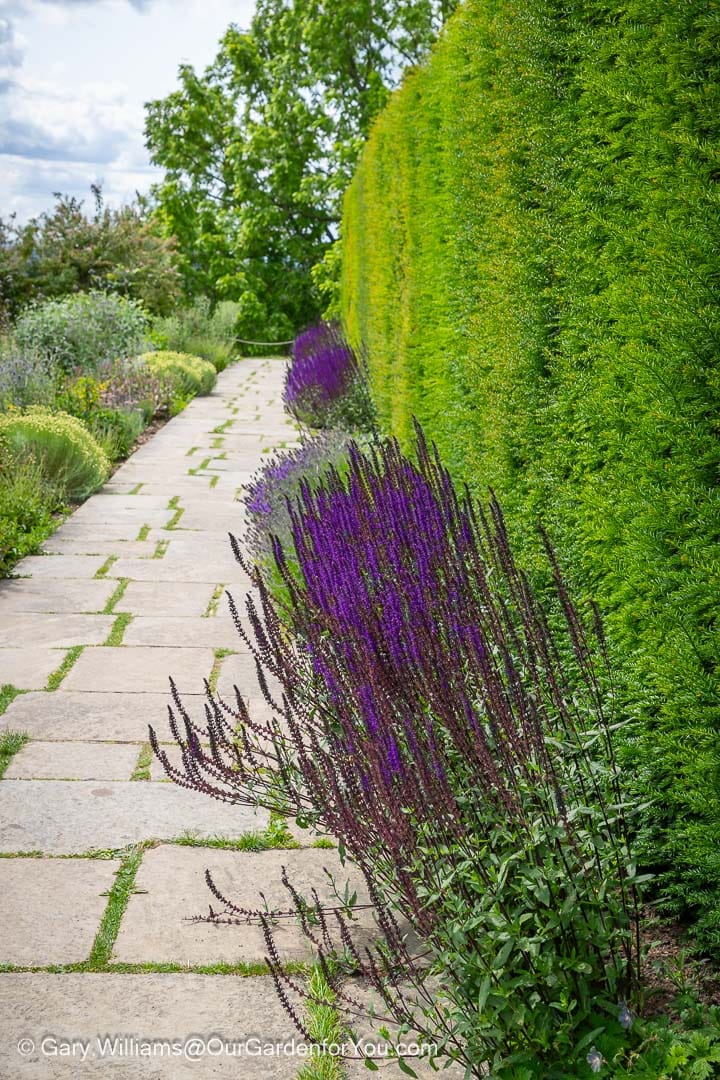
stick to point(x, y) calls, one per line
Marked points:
point(425, 714)
point(325, 384)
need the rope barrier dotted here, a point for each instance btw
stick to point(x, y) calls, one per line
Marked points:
point(244, 341)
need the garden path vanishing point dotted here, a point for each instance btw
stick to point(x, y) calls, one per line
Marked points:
point(96, 900)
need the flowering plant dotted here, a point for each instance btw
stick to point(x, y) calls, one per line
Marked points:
point(325, 384)
point(426, 714)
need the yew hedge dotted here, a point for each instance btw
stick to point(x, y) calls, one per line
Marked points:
point(531, 256)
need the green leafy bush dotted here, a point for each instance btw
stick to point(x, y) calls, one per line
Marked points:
point(189, 375)
point(62, 447)
point(24, 379)
point(201, 330)
point(82, 331)
point(28, 503)
point(530, 260)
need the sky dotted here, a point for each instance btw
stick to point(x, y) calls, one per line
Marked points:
point(74, 76)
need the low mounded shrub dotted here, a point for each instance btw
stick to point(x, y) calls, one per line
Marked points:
point(460, 750)
point(188, 375)
point(25, 379)
point(325, 386)
point(28, 503)
point(83, 331)
point(62, 447)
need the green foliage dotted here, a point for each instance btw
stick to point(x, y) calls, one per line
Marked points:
point(29, 504)
point(258, 149)
point(200, 330)
point(61, 446)
point(67, 251)
point(664, 1051)
point(530, 259)
point(188, 375)
point(82, 332)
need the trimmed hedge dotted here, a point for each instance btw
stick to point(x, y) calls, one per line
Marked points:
point(531, 254)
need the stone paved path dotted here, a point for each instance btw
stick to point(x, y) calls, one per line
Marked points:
point(95, 939)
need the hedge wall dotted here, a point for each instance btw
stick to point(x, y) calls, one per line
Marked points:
point(531, 258)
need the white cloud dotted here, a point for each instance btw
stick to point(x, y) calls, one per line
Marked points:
point(74, 75)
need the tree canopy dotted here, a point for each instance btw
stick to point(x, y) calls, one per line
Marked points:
point(258, 149)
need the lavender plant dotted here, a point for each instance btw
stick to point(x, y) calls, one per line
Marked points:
point(424, 712)
point(325, 384)
point(276, 486)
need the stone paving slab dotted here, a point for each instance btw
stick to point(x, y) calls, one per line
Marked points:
point(74, 761)
point(28, 668)
point(172, 890)
point(33, 629)
point(72, 817)
point(120, 517)
point(177, 569)
point(140, 670)
point(89, 545)
point(60, 566)
point(143, 1007)
point(52, 909)
point(63, 715)
point(55, 596)
point(215, 632)
point(165, 598)
point(125, 531)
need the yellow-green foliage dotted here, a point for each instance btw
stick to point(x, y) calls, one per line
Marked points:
point(62, 447)
point(531, 256)
point(189, 375)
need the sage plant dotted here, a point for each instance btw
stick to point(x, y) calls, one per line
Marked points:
point(425, 713)
point(325, 385)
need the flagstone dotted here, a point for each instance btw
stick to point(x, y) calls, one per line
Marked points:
point(90, 545)
point(209, 568)
point(29, 668)
point(171, 890)
point(184, 1010)
point(54, 596)
point(73, 817)
point(65, 715)
point(52, 909)
point(60, 566)
point(74, 761)
point(166, 598)
point(216, 632)
point(140, 669)
point(35, 629)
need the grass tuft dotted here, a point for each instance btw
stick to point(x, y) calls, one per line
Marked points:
point(115, 637)
point(10, 743)
point(71, 656)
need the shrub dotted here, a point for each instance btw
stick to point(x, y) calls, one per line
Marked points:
point(201, 330)
point(130, 385)
point(28, 503)
point(275, 487)
point(325, 385)
point(82, 331)
point(460, 751)
point(188, 375)
point(529, 261)
point(25, 380)
point(61, 446)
